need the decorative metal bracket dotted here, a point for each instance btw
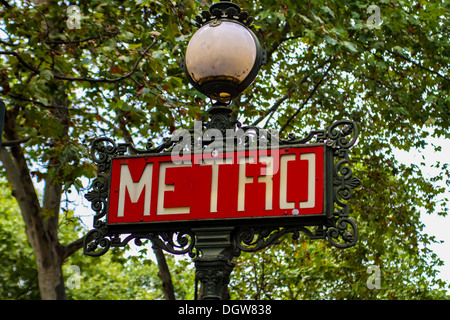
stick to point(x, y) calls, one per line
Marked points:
point(255, 239)
point(102, 152)
point(174, 242)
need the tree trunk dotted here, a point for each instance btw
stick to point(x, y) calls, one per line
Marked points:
point(40, 233)
point(41, 223)
point(164, 274)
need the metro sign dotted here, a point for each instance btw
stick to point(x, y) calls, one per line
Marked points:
point(172, 196)
point(240, 185)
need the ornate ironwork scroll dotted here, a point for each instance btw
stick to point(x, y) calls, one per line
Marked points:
point(228, 11)
point(100, 239)
point(339, 229)
point(255, 239)
point(174, 242)
point(340, 141)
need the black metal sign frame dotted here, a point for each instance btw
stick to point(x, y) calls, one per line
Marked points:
point(180, 237)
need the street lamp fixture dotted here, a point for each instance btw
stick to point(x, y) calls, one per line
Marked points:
point(222, 60)
point(224, 56)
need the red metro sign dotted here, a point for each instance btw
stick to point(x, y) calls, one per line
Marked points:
point(285, 182)
point(169, 195)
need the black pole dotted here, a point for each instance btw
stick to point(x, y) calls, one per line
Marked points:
point(214, 265)
point(220, 118)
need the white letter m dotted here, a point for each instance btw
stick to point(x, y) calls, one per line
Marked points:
point(135, 188)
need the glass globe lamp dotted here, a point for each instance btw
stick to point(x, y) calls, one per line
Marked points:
point(224, 56)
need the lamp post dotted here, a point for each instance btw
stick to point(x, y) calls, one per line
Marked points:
point(222, 59)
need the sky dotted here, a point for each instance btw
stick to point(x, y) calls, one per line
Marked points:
point(435, 225)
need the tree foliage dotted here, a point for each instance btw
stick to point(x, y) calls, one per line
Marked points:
point(119, 75)
point(18, 272)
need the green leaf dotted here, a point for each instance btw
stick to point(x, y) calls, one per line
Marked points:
point(47, 74)
point(328, 10)
point(350, 46)
point(330, 40)
point(305, 18)
point(134, 46)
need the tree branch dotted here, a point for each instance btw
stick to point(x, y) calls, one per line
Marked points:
point(405, 58)
point(286, 29)
point(21, 98)
point(316, 86)
point(275, 106)
point(289, 93)
point(21, 60)
point(23, 190)
point(8, 43)
point(72, 247)
point(15, 142)
point(71, 41)
point(418, 65)
point(61, 77)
